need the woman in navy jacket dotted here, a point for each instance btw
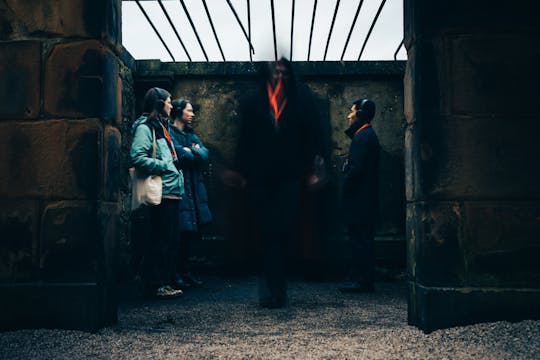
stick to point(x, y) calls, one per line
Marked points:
point(194, 210)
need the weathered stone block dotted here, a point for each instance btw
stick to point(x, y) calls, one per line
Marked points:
point(74, 18)
point(503, 244)
point(435, 231)
point(81, 81)
point(127, 94)
point(494, 74)
point(70, 242)
point(109, 239)
point(411, 154)
point(51, 159)
point(409, 95)
point(477, 158)
point(19, 225)
point(433, 308)
point(20, 79)
point(112, 161)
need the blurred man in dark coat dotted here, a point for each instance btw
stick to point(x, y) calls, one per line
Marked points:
point(276, 153)
point(360, 195)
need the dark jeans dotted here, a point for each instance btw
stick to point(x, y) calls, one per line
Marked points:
point(158, 264)
point(362, 260)
point(275, 208)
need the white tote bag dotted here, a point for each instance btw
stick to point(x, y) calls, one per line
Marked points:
point(145, 189)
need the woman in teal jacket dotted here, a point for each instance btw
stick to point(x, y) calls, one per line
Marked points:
point(157, 268)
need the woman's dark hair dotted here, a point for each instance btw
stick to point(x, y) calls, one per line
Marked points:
point(178, 105)
point(154, 101)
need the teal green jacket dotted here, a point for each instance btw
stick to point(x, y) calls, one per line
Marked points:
point(163, 165)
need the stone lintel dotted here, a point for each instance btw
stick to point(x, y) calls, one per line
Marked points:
point(51, 159)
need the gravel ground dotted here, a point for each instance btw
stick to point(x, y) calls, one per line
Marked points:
point(223, 321)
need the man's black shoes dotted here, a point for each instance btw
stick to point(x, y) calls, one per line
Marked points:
point(196, 283)
point(356, 288)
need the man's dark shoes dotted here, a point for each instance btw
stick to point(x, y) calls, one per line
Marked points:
point(181, 284)
point(193, 282)
point(356, 288)
point(273, 303)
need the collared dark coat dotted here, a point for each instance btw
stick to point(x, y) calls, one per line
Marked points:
point(361, 185)
point(194, 210)
point(267, 153)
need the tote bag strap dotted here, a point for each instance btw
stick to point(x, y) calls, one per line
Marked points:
point(154, 143)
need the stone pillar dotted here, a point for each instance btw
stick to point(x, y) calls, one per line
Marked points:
point(60, 109)
point(471, 160)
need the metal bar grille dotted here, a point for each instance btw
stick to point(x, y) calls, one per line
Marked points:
point(331, 29)
point(371, 28)
point(351, 29)
point(249, 26)
point(241, 26)
point(303, 7)
point(213, 29)
point(193, 27)
point(292, 28)
point(311, 31)
point(155, 30)
point(274, 28)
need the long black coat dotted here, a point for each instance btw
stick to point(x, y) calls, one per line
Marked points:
point(194, 210)
point(267, 154)
point(361, 186)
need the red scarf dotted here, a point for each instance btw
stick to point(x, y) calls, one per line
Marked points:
point(276, 99)
point(362, 128)
point(169, 141)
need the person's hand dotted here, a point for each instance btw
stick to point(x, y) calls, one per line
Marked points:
point(196, 146)
point(313, 180)
point(186, 149)
point(233, 179)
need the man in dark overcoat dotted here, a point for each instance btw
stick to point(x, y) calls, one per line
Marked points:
point(275, 156)
point(360, 195)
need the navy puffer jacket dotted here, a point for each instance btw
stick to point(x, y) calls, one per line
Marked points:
point(194, 209)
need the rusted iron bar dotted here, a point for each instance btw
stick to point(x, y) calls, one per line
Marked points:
point(399, 47)
point(155, 30)
point(194, 29)
point(311, 31)
point(241, 26)
point(213, 29)
point(292, 27)
point(352, 28)
point(249, 26)
point(274, 28)
point(331, 29)
point(371, 28)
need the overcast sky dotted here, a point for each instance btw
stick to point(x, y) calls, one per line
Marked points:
point(142, 42)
